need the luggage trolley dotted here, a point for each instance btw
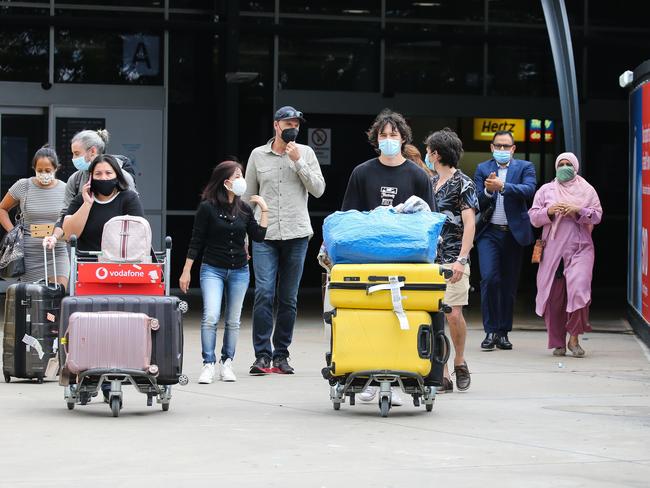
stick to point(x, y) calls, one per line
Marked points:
point(91, 277)
point(433, 345)
point(387, 331)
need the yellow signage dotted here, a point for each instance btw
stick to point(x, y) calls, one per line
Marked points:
point(484, 129)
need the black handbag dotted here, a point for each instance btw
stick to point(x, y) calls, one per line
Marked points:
point(12, 253)
point(12, 249)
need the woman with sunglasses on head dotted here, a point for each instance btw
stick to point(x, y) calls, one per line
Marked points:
point(221, 225)
point(567, 209)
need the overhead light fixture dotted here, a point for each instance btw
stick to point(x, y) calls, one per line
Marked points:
point(356, 12)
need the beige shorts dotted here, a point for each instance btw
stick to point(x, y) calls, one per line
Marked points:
point(457, 294)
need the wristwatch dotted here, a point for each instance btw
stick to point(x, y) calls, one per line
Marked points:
point(462, 260)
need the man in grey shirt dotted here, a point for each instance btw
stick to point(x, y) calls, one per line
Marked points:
point(284, 173)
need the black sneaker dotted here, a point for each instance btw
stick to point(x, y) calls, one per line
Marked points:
point(447, 386)
point(262, 365)
point(463, 378)
point(281, 366)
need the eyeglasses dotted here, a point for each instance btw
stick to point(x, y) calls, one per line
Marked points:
point(289, 114)
point(502, 147)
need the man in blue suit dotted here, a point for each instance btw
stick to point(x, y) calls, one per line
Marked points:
point(504, 186)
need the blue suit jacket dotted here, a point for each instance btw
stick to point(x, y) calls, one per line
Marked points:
point(521, 183)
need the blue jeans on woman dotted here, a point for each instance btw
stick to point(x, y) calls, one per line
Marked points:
point(215, 282)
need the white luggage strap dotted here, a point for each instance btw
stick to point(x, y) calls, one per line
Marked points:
point(394, 285)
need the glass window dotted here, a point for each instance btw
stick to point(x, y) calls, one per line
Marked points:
point(257, 5)
point(606, 61)
point(523, 68)
point(192, 117)
point(97, 56)
point(369, 8)
point(191, 4)
point(329, 63)
point(467, 10)
point(24, 54)
point(438, 63)
point(515, 11)
point(606, 14)
point(113, 3)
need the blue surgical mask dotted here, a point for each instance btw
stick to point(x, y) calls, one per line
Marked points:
point(427, 162)
point(390, 147)
point(80, 163)
point(501, 157)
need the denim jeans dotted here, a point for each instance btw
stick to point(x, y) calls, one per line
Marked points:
point(278, 265)
point(215, 282)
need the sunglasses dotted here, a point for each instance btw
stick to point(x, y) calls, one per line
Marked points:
point(290, 114)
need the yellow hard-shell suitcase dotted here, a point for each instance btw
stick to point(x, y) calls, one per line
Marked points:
point(355, 286)
point(365, 340)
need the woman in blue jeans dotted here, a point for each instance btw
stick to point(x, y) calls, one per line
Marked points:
point(220, 227)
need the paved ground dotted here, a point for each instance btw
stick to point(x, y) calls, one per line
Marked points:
point(528, 420)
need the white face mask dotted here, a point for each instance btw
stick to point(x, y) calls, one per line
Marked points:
point(238, 186)
point(44, 178)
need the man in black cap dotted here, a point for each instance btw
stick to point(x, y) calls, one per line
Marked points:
point(284, 173)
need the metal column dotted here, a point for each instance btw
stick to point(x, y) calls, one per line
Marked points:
point(560, 37)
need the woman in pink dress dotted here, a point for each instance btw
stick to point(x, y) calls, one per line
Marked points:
point(567, 208)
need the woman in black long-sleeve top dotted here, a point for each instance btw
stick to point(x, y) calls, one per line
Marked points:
point(220, 227)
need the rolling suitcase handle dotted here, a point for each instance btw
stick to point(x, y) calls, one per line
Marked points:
point(47, 282)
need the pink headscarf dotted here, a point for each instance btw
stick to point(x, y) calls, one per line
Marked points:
point(575, 191)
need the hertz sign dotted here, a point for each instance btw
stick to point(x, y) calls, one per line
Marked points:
point(484, 129)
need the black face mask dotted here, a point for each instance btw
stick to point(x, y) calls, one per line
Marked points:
point(289, 135)
point(103, 187)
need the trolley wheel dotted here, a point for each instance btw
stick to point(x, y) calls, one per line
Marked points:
point(165, 407)
point(416, 401)
point(115, 406)
point(336, 405)
point(149, 399)
point(70, 405)
point(352, 399)
point(384, 406)
point(7, 378)
point(429, 407)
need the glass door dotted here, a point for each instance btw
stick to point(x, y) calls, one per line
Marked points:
point(22, 132)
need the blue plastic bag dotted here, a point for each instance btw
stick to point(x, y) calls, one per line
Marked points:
point(382, 236)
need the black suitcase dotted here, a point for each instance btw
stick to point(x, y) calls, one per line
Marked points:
point(31, 311)
point(166, 342)
point(440, 348)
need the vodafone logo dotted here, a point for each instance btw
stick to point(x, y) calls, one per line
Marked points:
point(101, 273)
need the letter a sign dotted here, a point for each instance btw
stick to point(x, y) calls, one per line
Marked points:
point(140, 56)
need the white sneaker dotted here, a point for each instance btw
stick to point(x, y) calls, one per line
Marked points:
point(396, 398)
point(227, 374)
point(368, 394)
point(207, 374)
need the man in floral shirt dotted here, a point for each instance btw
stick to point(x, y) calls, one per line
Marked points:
point(455, 196)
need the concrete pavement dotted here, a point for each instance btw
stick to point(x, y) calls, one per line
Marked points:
point(528, 419)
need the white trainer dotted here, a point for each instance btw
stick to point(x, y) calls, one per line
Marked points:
point(227, 374)
point(207, 374)
point(368, 394)
point(396, 398)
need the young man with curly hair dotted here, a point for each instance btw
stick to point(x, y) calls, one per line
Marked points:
point(386, 180)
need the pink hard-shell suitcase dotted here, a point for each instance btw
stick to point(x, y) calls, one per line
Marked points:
point(109, 340)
